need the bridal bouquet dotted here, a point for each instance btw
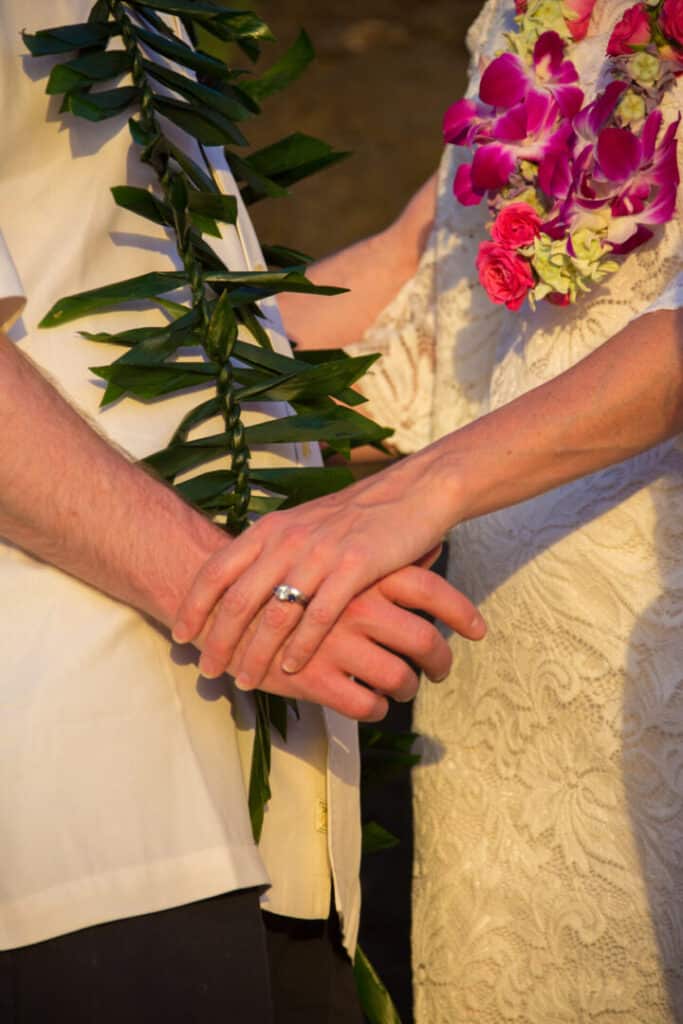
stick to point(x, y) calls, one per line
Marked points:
point(570, 186)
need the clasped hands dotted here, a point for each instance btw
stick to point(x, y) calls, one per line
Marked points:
point(363, 557)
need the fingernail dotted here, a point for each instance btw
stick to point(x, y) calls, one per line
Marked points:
point(442, 679)
point(243, 681)
point(289, 666)
point(477, 625)
point(209, 668)
point(181, 633)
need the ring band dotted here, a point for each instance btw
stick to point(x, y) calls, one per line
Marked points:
point(283, 592)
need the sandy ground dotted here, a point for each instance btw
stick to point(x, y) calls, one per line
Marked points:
point(386, 70)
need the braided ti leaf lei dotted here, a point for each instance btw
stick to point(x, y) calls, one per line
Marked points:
point(175, 81)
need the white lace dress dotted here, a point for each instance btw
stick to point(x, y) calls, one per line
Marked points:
point(549, 803)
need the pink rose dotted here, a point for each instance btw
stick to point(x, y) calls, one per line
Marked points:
point(632, 30)
point(516, 225)
point(581, 11)
point(505, 276)
point(672, 20)
point(520, 6)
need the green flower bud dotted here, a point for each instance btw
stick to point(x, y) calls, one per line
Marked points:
point(631, 108)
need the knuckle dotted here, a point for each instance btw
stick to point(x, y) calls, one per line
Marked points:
point(234, 602)
point(354, 557)
point(425, 639)
point(276, 615)
point(399, 677)
point(302, 651)
point(321, 615)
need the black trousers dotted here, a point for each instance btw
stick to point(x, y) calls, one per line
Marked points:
point(218, 960)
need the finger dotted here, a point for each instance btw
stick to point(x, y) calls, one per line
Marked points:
point(243, 601)
point(323, 682)
point(418, 588)
point(326, 606)
point(403, 632)
point(276, 621)
point(380, 669)
point(213, 579)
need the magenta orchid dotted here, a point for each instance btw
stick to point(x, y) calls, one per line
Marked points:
point(569, 186)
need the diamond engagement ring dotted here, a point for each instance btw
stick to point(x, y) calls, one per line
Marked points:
point(284, 592)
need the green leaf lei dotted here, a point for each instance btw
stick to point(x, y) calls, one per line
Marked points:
point(208, 100)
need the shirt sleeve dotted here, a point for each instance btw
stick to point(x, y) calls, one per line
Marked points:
point(12, 298)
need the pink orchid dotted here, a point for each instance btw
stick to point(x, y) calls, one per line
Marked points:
point(507, 81)
point(528, 131)
point(466, 122)
point(590, 121)
point(580, 16)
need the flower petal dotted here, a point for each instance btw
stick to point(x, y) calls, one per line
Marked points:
point(492, 167)
point(619, 153)
point(505, 82)
point(548, 54)
point(462, 187)
point(458, 121)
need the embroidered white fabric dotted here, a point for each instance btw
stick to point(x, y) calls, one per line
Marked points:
point(549, 802)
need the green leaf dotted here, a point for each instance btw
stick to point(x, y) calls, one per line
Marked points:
point(131, 337)
point(179, 52)
point(98, 106)
point(195, 173)
point(334, 425)
point(100, 11)
point(376, 838)
point(250, 317)
point(259, 284)
point(150, 382)
point(146, 286)
point(259, 185)
point(93, 67)
point(206, 97)
point(208, 126)
point(214, 205)
point(314, 381)
point(290, 160)
point(281, 256)
point(222, 329)
point(297, 484)
point(198, 415)
point(142, 202)
point(293, 150)
point(285, 71)
point(376, 1003)
point(385, 756)
point(300, 484)
point(259, 778)
point(69, 37)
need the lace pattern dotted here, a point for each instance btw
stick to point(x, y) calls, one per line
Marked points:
point(549, 804)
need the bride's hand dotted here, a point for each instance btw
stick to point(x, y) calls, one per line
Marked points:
point(371, 641)
point(330, 549)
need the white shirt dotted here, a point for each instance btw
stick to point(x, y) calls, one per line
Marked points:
point(121, 771)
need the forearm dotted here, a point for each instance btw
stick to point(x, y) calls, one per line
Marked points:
point(373, 270)
point(621, 400)
point(68, 497)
